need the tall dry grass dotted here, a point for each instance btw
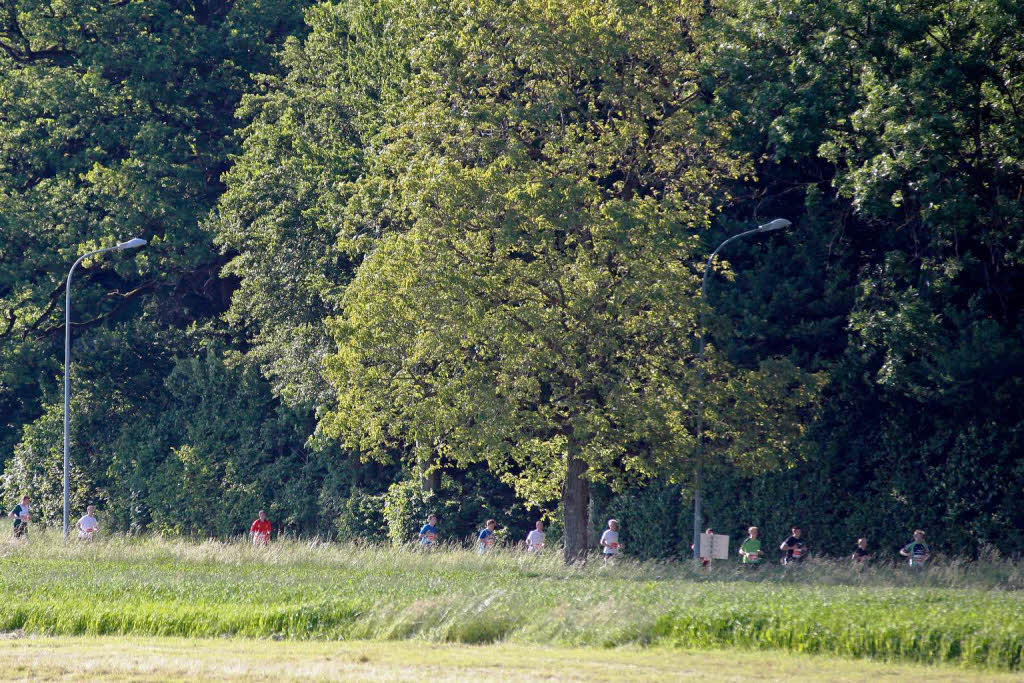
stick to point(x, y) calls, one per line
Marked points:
point(969, 613)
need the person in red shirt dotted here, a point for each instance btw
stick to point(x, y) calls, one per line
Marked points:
point(260, 529)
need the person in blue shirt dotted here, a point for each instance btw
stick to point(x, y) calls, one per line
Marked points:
point(428, 534)
point(486, 538)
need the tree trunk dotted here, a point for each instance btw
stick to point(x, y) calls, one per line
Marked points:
point(575, 503)
point(430, 476)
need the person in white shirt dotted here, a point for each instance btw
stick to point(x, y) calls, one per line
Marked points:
point(535, 539)
point(87, 525)
point(610, 545)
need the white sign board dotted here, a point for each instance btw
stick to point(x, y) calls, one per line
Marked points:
point(714, 546)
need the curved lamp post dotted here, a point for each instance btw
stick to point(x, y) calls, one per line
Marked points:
point(130, 244)
point(777, 224)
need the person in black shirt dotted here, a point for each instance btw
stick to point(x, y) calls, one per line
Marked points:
point(795, 547)
point(20, 515)
point(860, 552)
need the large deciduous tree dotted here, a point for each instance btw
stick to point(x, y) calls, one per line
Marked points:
point(535, 305)
point(116, 121)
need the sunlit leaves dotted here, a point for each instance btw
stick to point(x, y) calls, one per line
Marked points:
point(538, 296)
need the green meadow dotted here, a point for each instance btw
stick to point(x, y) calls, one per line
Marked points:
point(959, 614)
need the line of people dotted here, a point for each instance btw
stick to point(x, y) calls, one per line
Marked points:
point(534, 542)
point(751, 551)
point(86, 526)
point(795, 549)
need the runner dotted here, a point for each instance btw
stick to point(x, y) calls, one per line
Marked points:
point(486, 537)
point(860, 552)
point(87, 525)
point(21, 516)
point(260, 529)
point(794, 547)
point(610, 546)
point(917, 550)
point(750, 550)
point(428, 534)
point(535, 539)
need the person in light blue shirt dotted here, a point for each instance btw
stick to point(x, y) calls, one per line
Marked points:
point(486, 538)
point(428, 534)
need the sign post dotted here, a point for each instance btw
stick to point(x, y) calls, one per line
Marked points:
point(714, 546)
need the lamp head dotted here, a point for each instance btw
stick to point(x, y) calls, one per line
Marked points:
point(777, 224)
point(131, 244)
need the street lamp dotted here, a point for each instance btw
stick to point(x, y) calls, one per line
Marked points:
point(130, 244)
point(777, 224)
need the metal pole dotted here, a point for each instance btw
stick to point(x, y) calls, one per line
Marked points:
point(776, 224)
point(67, 395)
point(67, 389)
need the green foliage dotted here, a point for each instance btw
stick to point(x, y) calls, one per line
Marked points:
point(462, 503)
point(308, 141)
point(362, 517)
point(535, 309)
point(115, 121)
point(898, 128)
point(213, 448)
point(405, 504)
point(521, 196)
point(652, 523)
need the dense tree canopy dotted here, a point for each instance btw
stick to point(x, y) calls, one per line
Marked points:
point(540, 310)
point(116, 121)
point(903, 123)
point(415, 254)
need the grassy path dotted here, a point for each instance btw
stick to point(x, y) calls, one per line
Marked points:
point(161, 659)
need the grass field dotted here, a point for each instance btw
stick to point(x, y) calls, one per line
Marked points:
point(957, 614)
point(162, 659)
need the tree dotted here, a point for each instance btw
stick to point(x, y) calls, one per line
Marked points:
point(900, 126)
point(308, 138)
point(538, 309)
point(115, 121)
